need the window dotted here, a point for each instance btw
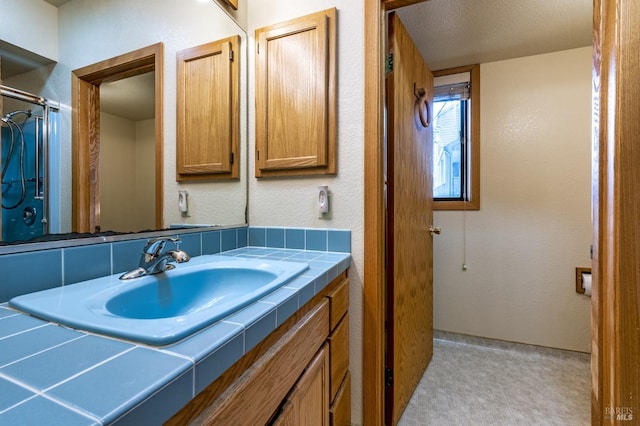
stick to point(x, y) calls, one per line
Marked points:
point(456, 139)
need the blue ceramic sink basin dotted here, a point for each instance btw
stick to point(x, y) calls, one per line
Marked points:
point(190, 292)
point(163, 308)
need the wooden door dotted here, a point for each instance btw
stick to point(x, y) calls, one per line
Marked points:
point(409, 329)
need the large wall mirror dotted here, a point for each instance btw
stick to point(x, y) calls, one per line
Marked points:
point(41, 43)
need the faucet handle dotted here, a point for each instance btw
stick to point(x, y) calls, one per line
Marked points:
point(179, 256)
point(155, 245)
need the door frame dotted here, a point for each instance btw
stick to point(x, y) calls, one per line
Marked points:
point(611, 317)
point(373, 315)
point(615, 307)
point(85, 124)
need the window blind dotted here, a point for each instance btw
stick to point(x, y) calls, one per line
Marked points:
point(452, 92)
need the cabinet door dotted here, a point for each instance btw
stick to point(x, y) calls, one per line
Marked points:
point(208, 111)
point(339, 354)
point(308, 402)
point(295, 96)
point(340, 411)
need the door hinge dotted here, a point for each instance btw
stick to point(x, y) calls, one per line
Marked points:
point(388, 63)
point(258, 154)
point(388, 376)
point(231, 55)
point(231, 157)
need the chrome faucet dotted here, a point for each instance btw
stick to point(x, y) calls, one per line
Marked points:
point(154, 260)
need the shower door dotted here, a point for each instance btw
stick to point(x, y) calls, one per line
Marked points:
point(22, 175)
point(27, 124)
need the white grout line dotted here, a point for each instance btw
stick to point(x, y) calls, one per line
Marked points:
point(93, 367)
point(44, 350)
point(42, 394)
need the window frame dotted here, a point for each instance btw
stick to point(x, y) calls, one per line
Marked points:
point(472, 159)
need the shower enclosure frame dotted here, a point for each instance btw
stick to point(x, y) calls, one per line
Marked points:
point(43, 157)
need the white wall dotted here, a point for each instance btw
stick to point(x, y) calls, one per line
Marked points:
point(292, 202)
point(117, 173)
point(145, 175)
point(127, 174)
point(534, 225)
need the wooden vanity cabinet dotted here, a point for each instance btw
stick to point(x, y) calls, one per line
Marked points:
point(296, 96)
point(298, 375)
point(208, 111)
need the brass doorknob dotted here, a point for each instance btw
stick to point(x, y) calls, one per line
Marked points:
point(435, 230)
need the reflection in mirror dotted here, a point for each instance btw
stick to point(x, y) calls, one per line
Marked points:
point(90, 31)
point(25, 189)
point(127, 154)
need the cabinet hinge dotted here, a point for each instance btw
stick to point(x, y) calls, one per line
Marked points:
point(258, 154)
point(231, 55)
point(231, 157)
point(388, 376)
point(389, 63)
point(258, 48)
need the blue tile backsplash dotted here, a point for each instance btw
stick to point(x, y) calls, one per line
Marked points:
point(48, 371)
point(24, 273)
point(80, 264)
point(301, 238)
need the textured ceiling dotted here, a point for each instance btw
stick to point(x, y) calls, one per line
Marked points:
point(131, 98)
point(451, 33)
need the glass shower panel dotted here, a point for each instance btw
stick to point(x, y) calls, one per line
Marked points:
point(23, 167)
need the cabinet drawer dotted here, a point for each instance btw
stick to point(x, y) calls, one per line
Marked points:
point(340, 411)
point(339, 354)
point(338, 302)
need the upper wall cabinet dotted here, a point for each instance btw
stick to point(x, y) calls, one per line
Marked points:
point(208, 111)
point(296, 96)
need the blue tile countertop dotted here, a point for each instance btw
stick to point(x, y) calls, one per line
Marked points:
point(52, 375)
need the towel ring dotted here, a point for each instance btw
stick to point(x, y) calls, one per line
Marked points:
point(424, 113)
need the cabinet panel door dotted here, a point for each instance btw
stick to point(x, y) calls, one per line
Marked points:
point(338, 302)
point(308, 402)
point(339, 354)
point(208, 111)
point(340, 411)
point(295, 96)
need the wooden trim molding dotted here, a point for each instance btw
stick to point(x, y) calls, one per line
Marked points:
point(232, 3)
point(86, 124)
point(374, 237)
point(473, 203)
point(395, 4)
point(615, 356)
